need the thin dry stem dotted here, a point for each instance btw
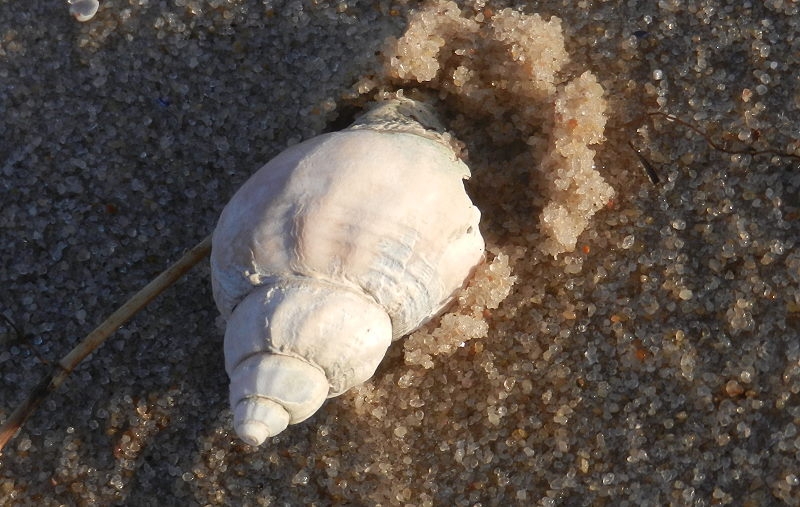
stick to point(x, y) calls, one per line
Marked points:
point(93, 340)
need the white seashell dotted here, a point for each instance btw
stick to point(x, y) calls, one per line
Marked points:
point(334, 248)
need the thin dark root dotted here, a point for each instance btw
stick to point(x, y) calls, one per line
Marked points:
point(648, 167)
point(745, 151)
point(17, 334)
point(21, 339)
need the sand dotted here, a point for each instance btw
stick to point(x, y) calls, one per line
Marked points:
point(655, 361)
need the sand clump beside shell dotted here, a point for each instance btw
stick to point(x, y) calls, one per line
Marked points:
point(504, 68)
point(501, 73)
point(576, 190)
point(465, 320)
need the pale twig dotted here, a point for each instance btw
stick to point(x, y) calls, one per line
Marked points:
point(64, 367)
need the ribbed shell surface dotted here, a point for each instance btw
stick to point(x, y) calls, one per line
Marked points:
point(384, 213)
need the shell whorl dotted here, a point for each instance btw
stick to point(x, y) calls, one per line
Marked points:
point(274, 353)
point(335, 247)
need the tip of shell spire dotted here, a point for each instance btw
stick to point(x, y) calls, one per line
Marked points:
point(257, 419)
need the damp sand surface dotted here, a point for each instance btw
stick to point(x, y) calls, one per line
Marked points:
point(649, 355)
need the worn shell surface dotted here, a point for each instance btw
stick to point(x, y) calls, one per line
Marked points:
point(327, 253)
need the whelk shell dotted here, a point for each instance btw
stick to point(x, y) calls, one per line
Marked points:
point(334, 248)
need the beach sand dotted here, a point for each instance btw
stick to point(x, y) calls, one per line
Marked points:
point(657, 363)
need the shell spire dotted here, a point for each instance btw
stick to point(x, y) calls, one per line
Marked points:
point(334, 248)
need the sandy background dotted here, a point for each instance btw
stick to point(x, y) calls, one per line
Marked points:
point(658, 364)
